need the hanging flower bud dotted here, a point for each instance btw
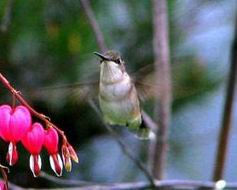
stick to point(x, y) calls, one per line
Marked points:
point(73, 154)
point(33, 142)
point(66, 158)
point(13, 126)
point(51, 144)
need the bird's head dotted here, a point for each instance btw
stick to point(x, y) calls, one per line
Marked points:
point(112, 66)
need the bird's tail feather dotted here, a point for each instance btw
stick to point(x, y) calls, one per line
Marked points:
point(140, 130)
point(143, 132)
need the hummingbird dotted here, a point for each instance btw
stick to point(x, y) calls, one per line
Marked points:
point(118, 96)
point(118, 93)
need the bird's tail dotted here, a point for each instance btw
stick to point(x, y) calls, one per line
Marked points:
point(141, 130)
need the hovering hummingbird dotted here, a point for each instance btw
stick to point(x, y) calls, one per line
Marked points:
point(118, 94)
point(118, 97)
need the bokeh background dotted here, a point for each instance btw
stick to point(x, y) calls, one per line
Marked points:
point(50, 43)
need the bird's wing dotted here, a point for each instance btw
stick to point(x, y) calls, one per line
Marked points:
point(147, 87)
point(77, 92)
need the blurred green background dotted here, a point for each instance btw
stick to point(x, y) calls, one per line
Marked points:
point(50, 43)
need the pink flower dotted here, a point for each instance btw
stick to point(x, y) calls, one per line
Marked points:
point(14, 123)
point(33, 142)
point(51, 144)
point(3, 185)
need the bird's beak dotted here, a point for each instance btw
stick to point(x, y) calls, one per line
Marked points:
point(103, 57)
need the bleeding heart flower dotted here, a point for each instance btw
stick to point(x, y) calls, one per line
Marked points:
point(33, 142)
point(3, 185)
point(51, 144)
point(14, 123)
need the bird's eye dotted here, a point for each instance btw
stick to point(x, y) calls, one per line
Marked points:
point(118, 61)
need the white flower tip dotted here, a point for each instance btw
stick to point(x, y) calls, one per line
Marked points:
point(56, 164)
point(35, 164)
point(10, 152)
point(12, 155)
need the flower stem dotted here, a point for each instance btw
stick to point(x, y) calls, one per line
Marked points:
point(41, 116)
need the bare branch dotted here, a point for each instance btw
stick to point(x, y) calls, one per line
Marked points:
point(227, 113)
point(14, 187)
point(64, 181)
point(124, 147)
point(94, 25)
point(159, 145)
point(6, 20)
point(169, 184)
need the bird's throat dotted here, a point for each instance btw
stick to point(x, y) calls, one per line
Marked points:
point(110, 73)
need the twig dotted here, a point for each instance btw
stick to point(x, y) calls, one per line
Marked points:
point(60, 181)
point(159, 146)
point(14, 187)
point(94, 25)
point(170, 184)
point(6, 20)
point(123, 146)
point(227, 113)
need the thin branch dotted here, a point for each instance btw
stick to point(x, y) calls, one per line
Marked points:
point(94, 25)
point(64, 182)
point(159, 145)
point(123, 146)
point(14, 187)
point(6, 20)
point(227, 113)
point(170, 184)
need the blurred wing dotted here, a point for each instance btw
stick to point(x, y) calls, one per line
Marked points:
point(77, 92)
point(146, 91)
point(85, 91)
point(145, 84)
point(189, 81)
